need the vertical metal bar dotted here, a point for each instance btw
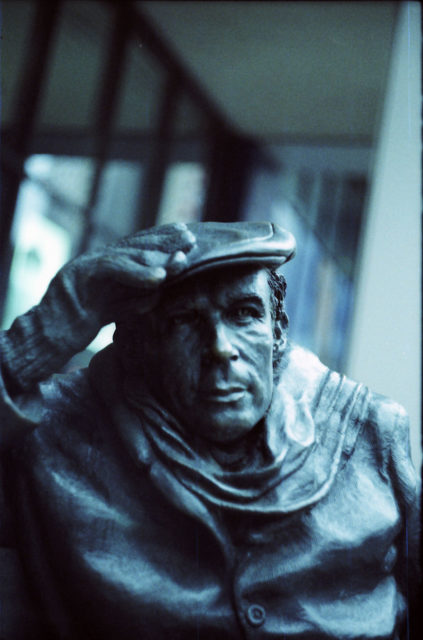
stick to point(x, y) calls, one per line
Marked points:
point(182, 80)
point(26, 110)
point(160, 152)
point(230, 166)
point(105, 110)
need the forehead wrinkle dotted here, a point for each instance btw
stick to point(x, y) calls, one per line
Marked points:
point(253, 287)
point(229, 287)
point(219, 299)
point(244, 297)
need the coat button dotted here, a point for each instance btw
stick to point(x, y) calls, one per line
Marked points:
point(256, 615)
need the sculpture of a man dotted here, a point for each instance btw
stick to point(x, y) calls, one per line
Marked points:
point(203, 478)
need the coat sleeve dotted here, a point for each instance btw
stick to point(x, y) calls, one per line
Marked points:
point(20, 413)
point(20, 409)
point(407, 487)
point(38, 344)
point(390, 422)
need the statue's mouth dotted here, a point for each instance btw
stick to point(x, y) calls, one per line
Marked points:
point(224, 394)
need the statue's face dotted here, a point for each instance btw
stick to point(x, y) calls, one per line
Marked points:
point(213, 340)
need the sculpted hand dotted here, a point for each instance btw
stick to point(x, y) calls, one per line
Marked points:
point(110, 282)
point(89, 292)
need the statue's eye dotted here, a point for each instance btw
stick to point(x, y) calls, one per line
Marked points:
point(244, 313)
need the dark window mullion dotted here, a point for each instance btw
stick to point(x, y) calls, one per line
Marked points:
point(160, 153)
point(105, 110)
point(231, 162)
point(19, 141)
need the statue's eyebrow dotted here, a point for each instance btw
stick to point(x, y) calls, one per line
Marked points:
point(230, 300)
point(246, 298)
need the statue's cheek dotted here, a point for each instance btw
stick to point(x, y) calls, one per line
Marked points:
point(256, 346)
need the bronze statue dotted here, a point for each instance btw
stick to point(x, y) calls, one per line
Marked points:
point(203, 478)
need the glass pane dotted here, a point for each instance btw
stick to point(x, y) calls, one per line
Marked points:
point(344, 294)
point(117, 209)
point(16, 24)
point(64, 177)
point(349, 220)
point(48, 223)
point(328, 206)
point(285, 214)
point(139, 93)
point(189, 138)
point(183, 193)
point(326, 278)
point(302, 329)
point(189, 119)
point(76, 65)
point(41, 248)
point(307, 186)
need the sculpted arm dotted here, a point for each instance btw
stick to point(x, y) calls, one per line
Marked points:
point(91, 291)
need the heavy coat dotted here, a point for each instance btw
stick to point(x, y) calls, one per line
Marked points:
point(120, 527)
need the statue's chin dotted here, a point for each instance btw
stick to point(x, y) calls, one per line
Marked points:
point(224, 424)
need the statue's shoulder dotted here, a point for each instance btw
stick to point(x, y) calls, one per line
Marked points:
point(373, 416)
point(386, 429)
point(301, 371)
point(69, 414)
point(66, 395)
point(385, 413)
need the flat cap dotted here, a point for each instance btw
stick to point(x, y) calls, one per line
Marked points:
point(220, 244)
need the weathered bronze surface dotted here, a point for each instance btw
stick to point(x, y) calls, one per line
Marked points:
point(203, 478)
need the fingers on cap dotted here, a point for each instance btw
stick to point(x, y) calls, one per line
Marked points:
point(177, 262)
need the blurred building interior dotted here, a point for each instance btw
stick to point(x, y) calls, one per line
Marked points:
point(117, 116)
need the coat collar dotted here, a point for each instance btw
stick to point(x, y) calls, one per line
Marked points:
point(291, 464)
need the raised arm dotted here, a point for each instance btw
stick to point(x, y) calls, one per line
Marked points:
point(89, 292)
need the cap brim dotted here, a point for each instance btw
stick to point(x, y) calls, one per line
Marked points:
point(236, 244)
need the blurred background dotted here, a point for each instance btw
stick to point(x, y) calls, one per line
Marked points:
point(117, 116)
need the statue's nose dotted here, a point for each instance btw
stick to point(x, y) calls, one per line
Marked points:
point(222, 343)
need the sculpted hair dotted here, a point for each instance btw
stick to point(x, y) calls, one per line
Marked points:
point(277, 284)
